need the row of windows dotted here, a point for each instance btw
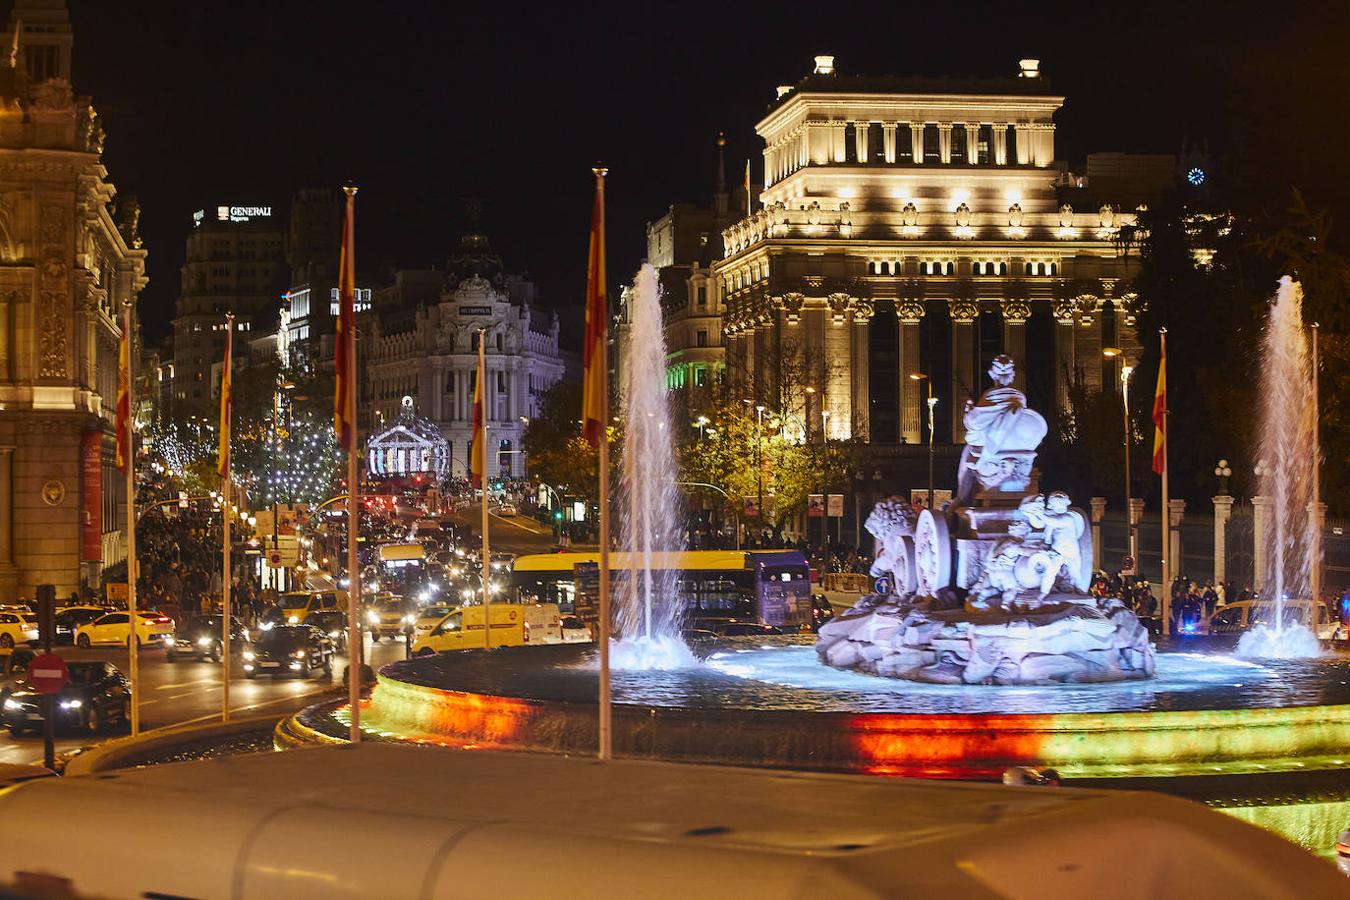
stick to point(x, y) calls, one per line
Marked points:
point(936, 267)
point(931, 144)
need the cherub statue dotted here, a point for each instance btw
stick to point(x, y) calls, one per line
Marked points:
point(1063, 531)
point(999, 578)
point(892, 523)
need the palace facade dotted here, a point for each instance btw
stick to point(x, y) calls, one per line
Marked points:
point(909, 231)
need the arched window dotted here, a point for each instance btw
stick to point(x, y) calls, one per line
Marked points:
point(951, 268)
point(1003, 268)
point(499, 342)
point(1052, 268)
point(1031, 269)
point(871, 268)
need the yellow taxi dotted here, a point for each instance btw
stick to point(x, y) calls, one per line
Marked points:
point(112, 628)
point(17, 628)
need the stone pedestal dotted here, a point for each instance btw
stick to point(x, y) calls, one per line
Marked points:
point(1223, 511)
point(1098, 513)
point(1136, 513)
point(1177, 509)
point(1260, 521)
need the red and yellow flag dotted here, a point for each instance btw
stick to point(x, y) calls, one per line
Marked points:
point(226, 400)
point(344, 354)
point(1160, 414)
point(593, 380)
point(123, 414)
point(477, 457)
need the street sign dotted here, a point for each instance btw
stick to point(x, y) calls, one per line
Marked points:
point(182, 500)
point(836, 506)
point(749, 508)
point(815, 505)
point(116, 591)
point(48, 673)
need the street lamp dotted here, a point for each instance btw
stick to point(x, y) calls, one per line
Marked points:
point(825, 496)
point(759, 463)
point(1223, 472)
point(701, 423)
point(932, 428)
point(1131, 538)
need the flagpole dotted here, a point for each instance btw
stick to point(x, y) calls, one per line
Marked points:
point(606, 750)
point(133, 666)
point(354, 646)
point(1166, 503)
point(483, 481)
point(1315, 575)
point(226, 405)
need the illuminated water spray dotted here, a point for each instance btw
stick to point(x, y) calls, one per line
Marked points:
point(1289, 452)
point(648, 503)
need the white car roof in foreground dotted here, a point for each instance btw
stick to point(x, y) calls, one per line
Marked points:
point(390, 821)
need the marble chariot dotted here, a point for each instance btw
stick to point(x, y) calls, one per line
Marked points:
point(993, 587)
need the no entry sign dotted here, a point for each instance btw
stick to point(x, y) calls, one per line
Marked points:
point(48, 674)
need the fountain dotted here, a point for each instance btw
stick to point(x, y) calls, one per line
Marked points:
point(1290, 452)
point(991, 589)
point(649, 611)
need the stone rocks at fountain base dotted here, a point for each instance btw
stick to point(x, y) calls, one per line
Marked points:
point(1067, 639)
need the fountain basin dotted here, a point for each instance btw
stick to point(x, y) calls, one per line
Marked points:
point(772, 705)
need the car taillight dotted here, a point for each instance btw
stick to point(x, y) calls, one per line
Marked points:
point(163, 620)
point(527, 632)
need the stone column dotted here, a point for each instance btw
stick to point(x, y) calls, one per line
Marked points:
point(839, 141)
point(1317, 512)
point(1000, 133)
point(910, 313)
point(1098, 511)
point(1064, 313)
point(972, 143)
point(1015, 315)
point(1260, 521)
point(1223, 511)
point(861, 131)
point(1177, 510)
point(916, 141)
point(888, 141)
point(1024, 145)
point(859, 426)
point(9, 573)
point(945, 142)
point(1136, 513)
point(5, 335)
point(963, 313)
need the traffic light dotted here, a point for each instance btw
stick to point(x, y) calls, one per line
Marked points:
point(557, 515)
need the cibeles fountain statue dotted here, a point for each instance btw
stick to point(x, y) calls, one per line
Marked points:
point(993, 587)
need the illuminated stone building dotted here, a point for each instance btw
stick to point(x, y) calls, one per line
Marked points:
point(910, 230)
point(68, 261)
point(424, 333)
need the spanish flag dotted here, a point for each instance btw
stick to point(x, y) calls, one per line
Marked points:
point(748, 203)
point(476, 455)
point(344, 354)
point(124, 393)
point(1160, 413)
point(226, 399)
point(594, 379)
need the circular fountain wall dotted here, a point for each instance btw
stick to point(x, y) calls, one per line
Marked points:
point(774, 705)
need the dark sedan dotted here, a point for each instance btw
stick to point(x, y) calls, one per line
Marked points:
point(289, 650)
point(332, 622)
point(200, 637)
point(96, 695)
point(71, 618)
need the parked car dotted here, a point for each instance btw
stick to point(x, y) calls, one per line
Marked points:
point(71, 618)
point(575, 630)
point(18, 628)
point(201, 637)
point(290, 650)
point(1235, 618)
point(96, 695)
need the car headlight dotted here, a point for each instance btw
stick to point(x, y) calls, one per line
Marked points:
point(71, 704)
point(248, 654)
point(203, 642)
point(298, 654)
point(293, 620)
point(266, 626)
point(11, 703)
point(373, 617)
point(409, 619)
point(168, 640)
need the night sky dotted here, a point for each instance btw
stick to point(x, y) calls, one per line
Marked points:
point(424, 105)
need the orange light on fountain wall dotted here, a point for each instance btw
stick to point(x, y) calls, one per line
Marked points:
point(961, 746)
point(449, 716)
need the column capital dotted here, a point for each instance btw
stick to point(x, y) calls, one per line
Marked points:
point(963, 312)
point(1098, 508)
point(1177, 509)
point(910, 311)
point(1016, 310)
